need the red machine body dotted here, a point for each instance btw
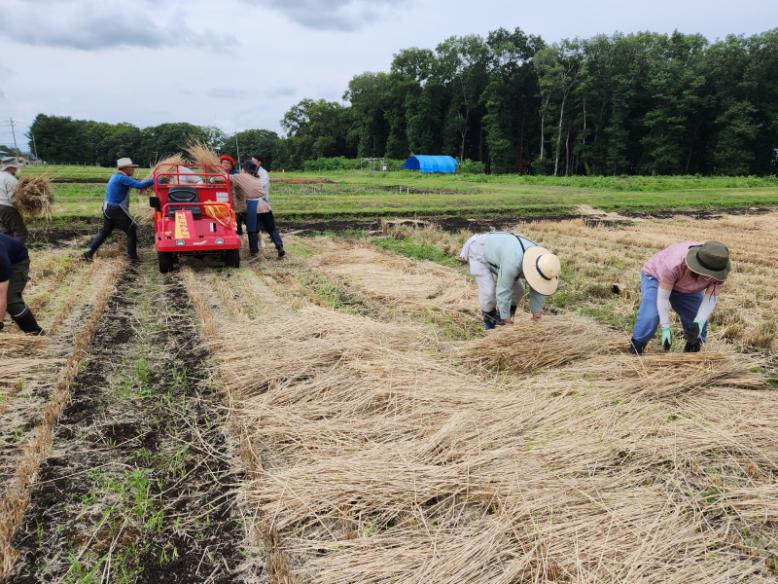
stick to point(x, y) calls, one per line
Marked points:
point(194, 214)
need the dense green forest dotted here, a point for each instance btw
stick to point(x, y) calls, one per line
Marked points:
point(641, 103)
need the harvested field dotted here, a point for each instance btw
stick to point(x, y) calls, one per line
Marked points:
point(338, 417)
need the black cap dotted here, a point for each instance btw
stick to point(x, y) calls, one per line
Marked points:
point(250, 167)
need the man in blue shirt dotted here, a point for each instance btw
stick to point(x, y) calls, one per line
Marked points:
point(14, 272)
point(116, 209)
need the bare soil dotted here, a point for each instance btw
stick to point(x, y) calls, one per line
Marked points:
point(140, 484)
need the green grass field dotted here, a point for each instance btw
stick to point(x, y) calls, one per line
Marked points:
point(362, 195)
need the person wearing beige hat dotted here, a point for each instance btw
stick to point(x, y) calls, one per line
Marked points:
point(498, 261)
point(116, 209)
point(11, 221)
point(688, 277)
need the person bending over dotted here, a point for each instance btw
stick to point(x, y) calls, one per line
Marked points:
point(498, 261)
point(686, 276)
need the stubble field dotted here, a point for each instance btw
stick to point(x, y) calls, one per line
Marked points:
point(339, 417)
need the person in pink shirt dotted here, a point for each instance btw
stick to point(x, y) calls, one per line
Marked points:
point(686, 276)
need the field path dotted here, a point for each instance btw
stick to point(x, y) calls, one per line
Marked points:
point(139, 484)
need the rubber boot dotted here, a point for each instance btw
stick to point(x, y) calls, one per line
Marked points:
point(636, 348)
point(693, 346)
point(490, 320)
point(281, 252)
point(26, 321)
point(514, 308)
point(253, 242)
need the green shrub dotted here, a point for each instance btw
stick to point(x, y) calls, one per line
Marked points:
point(472, 167)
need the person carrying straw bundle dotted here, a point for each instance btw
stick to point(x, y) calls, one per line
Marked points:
point(116, 209)
point(248, 186)
point(688, 277)
point(498, 261)
point(11, 221)
point(14, 273)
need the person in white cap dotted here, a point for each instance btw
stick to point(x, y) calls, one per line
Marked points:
point(11, 221)
point(498, 261)
point(116, 209)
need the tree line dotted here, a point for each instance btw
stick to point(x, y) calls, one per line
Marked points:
point(62, 140)
point(641, 103)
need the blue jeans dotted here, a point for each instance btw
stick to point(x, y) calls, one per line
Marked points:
point(251, 215)
point(647, 321)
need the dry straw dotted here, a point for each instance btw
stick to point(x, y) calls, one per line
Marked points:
point(529, 345)
point(382, 459)
point(34, 196)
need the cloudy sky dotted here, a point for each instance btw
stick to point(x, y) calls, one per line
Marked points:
point(240, 64)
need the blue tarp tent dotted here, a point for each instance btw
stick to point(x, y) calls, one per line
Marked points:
point(432, 164)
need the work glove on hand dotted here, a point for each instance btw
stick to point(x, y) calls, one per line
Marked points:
point(667, 338)
point(694, 334)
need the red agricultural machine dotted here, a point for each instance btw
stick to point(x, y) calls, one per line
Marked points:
point(193, 214)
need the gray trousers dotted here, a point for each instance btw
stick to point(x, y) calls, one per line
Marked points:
point(12, 223)
point(20, 275)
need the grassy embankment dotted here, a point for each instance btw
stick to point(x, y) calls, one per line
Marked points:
point(362, 195)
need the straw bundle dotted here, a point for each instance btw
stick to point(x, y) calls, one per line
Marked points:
point(203, 154)
point(34, 196)
point(168, 164)
point(529, 345)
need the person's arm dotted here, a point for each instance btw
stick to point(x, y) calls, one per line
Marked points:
point(536, 303)
point(3, 300)
point(663, 308)
point(136, 184)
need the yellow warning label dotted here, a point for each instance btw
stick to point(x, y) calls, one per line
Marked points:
point(182, 228)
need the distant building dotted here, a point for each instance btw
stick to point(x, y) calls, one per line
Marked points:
point(427, 164)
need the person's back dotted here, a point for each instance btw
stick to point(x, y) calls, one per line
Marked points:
point(12, 251)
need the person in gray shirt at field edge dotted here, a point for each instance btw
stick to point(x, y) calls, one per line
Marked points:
point(507, 257)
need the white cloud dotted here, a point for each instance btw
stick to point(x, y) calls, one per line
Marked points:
point(91, 25)
point(334, 15)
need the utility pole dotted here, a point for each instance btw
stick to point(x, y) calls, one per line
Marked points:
point(237, 147)
point(34, 146)
point(13, 132)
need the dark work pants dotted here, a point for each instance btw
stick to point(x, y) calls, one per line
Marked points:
point(19, 277)
point(114, 217)
point(268, 223)
point(12, 223)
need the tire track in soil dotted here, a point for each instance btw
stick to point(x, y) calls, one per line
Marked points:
point(139, 485)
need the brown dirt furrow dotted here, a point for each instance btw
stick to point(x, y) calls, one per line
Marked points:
point(17, 496)
point(139, 486)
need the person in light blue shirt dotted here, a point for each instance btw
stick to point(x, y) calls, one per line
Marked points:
point(116, 209)
point(498, 261)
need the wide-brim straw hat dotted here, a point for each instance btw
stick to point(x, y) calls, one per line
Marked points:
point(541, 269)
point(125, 163)
point(10, 163)
point(710, 259)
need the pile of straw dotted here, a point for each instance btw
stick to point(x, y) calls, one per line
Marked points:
point(529, 345)
point(34, 196)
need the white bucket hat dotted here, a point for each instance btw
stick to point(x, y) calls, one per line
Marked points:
point(125, 162)
point(10, 163)
point(542, 269)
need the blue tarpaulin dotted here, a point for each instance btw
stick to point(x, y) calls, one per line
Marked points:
point(432, 164)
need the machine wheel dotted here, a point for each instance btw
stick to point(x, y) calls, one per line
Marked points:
point(232, 258)
point(166, 262)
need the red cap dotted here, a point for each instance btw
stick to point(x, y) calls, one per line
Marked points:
point(224, 157)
